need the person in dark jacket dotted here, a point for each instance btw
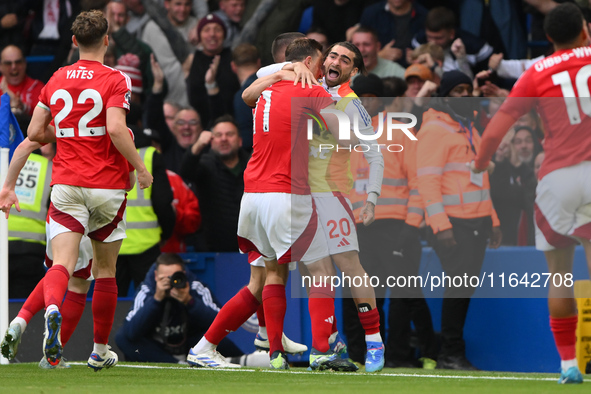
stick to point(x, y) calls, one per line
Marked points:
point(335, 17)
point(215, 165)
point(513, 188)
point(171, 312)
point(462, 50)
point(211, 82)
point(245, 63)
point(396, 23)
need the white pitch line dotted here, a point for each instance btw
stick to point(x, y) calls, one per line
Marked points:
point(186, 367)
point(422, 375)
point(407, 375)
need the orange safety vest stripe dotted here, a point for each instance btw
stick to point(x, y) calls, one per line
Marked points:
point(395, 201)
point(445, 183)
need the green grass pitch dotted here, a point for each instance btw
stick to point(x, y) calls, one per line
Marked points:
point(132, 378)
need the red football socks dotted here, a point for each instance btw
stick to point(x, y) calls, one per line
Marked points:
point(564, 331)
point(55, 285)
point(261, 316)
point(232, 315)
point(34, 303)
point(275, 303)
point(370, 321)
point(71, 311)
point(321, 308)
point(104, 302)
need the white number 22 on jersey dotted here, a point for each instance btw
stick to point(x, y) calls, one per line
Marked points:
point(566, 85)
point(83, 129)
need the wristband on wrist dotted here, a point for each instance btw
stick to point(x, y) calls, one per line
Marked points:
point(210, 86)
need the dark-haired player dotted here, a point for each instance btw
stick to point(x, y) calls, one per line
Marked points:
point(330, 185)
point(558, 86)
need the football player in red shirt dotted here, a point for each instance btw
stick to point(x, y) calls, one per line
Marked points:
point(558, 86)
point(328, 179)
point(277, 177)
point(248, 300)
point(88, 103)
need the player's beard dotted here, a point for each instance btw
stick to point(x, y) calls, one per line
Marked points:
point(341, 79)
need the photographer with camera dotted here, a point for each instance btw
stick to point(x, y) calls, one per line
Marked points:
point(171, 311)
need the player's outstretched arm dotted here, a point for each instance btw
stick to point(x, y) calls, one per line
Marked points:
point(375, 159)
point(38, 130)
point(252, 93)
point(332, 123)
point(19, 158)
point(491, 138)
point(117, 129)
point(271, 69)
point(302, 72)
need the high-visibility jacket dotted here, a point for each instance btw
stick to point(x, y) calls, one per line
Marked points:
point(329, 169)
point(399, 198)
point(143, 230)
point(32, 189)
point(446, 184)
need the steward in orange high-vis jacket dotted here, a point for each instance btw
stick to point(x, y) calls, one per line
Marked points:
point(391, 245)
point(457, 204)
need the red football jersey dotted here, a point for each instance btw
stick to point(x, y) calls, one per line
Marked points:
point(280, 143)
point(78, 97)
point(559, 88)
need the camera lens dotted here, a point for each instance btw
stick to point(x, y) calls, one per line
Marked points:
point(178, 280)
